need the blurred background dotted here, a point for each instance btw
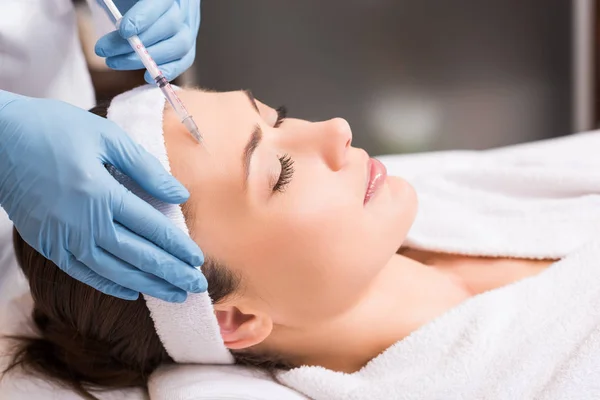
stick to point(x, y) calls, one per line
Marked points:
point(409, 75)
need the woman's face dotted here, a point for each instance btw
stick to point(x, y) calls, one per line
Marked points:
point(304, 243)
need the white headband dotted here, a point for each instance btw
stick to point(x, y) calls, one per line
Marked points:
point(189, 331)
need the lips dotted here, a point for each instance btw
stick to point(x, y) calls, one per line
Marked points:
point(377, 174)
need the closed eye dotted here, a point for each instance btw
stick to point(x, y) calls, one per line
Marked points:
point(287, 172)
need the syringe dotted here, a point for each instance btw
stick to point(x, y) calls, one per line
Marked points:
point(161, 81)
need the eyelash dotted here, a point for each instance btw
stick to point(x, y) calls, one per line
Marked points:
point(281, 116)
point(287, 171)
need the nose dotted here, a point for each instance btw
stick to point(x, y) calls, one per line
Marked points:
point(334, 138)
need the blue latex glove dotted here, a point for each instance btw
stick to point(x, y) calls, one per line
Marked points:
point(65, 204)
point(168, 29)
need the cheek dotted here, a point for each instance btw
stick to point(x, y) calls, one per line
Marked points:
point(303, 266)
point(310, 254)
point(399, 206)
point(315, 257)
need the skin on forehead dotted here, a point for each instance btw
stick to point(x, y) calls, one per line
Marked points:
point(213, 172)
point(225, 120)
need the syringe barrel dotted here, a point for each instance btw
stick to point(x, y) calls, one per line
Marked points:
point(172, 98)
point(134, 41)
point(141, 51)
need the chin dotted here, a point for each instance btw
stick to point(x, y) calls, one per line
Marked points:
point(403, 204)
point(403, 195)
point(393, 212)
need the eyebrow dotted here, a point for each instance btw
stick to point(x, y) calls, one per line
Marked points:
point(252, 144)
point(250, 96)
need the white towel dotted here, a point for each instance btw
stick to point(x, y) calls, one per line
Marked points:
point(189, 331)
point(216, 382)
point(538, 338)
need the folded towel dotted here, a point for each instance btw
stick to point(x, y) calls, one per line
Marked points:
point(538, 338)
point(189, 331)
point(535, 339)
point(537, 200)
point(215, 382)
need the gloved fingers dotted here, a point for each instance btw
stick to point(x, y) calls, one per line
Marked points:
point(83, 274)
point(195, 14)
point(112, 44)
point(162, 52)
point(149, 258)
point(143, 15)
point(146, 221)
point(134, 161)
point(118, 271)
point(173, 69)
point(7, 97)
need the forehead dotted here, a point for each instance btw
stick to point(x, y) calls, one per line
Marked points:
point(225, 120)
point(212, 172)
point(215, 111)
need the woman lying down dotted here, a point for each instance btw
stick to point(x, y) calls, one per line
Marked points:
point(316, 257)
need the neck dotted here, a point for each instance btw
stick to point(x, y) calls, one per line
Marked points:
point(404, 296)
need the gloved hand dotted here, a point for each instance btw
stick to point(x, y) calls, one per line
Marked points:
point(168, 29)
point(65, 204)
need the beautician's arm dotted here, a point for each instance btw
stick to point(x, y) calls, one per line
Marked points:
point(65, 204)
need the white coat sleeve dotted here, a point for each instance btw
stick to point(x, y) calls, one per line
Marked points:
point(102, 22)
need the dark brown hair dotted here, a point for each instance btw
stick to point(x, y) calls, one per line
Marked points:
point(90, 341)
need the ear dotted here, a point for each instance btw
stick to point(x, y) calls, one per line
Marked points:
point(242, 329)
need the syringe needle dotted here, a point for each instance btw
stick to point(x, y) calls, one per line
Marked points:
point(193, 128)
